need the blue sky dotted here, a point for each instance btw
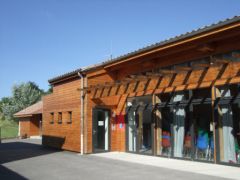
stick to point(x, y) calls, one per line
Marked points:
point(40, 39)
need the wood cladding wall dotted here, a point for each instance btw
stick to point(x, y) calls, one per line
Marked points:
point(30, 126)
point(24, 127)
point(64, 99)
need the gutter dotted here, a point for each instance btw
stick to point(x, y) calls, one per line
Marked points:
point(82, 113)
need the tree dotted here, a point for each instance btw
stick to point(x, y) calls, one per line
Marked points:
point(49, 91)
point(6, 107)
point(23, 95)
point(26, 94)
point(1, 112)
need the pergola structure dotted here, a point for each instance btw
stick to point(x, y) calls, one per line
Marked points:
point(160, 73)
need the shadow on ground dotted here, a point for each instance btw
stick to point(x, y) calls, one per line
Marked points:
point(13, 151)
point(6, 173)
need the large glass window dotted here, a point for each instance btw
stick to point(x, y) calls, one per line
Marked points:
point(203, 132)
point(203, 125)
point(173, 125)
point(229, 124)
point(166, 133)
point(192, 123)
point(184, 124)
point(140, 128)
point(179, 120)
point(132, 130)
point(163, 120)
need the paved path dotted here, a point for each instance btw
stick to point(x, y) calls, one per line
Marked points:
point(174, 164)
point(27, 159)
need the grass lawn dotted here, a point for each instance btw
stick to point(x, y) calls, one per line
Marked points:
point(8, 128)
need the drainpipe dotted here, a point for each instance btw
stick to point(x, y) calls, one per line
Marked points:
point(82, 111)
point(19, 128)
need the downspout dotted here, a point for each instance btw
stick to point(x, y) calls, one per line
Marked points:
point(19, 128)
point(82, 112)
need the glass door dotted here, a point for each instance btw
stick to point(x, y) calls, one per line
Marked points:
point(203, 132)
point(202, 118)
point(132, 131)
point(145, 130)
point(100, 130)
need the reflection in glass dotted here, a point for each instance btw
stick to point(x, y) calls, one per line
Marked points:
point(145, 131)
point(132, 131)
point(229, 133)
point(140, 124)
point(204, 144)
point(166, 132)
point(178, 126)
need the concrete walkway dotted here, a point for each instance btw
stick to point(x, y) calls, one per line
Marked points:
point(27, 159)
point(181, 165)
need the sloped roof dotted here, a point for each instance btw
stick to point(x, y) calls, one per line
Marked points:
point(153, 46)
point(36, 108)
point(66, 75)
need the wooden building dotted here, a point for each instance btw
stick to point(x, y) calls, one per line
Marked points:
point(30, 120)
point(61, 113)
point(178, 98)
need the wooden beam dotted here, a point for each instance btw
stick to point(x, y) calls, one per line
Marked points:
point(200, 65)
point(117, 82)
point(100, 86)
point(92, 87)
point(154, 74)
point(132, 76)
point(83, 89)
point(138, 77)
point(165, 71)
point(127, 79)
point(109, 84)
point(97, 86)
point(221, 61)
point(183, 68)
point(206, 48)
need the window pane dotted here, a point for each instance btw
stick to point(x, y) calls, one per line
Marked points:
point(229, 125)
point(203, 130)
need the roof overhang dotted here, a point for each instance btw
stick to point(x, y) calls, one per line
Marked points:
point(34, 109)
point(65, 77)
point(26, 115)
point(178, 41)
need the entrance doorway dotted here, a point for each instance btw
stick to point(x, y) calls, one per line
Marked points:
point(100, 130)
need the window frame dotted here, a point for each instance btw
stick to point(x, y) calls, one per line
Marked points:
point(60, 117)
point(52, 118)
point(69, 120)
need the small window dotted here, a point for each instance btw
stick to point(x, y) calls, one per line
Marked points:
point(69, 117)
point(51, 118)
point(59, 117)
